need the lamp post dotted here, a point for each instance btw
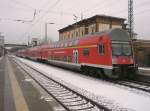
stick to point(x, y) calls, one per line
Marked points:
point(46, 31)
point(1, 45)
point(76, 19)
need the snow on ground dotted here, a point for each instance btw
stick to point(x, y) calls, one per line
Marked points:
point(117, 95)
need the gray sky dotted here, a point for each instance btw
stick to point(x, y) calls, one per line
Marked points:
point(61, 13)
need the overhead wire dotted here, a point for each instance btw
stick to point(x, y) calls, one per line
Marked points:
point(139, 5)
point(35, 12)
point(86, 11)
point(22, 4)
point(118, 12)
point(102, 7)
point(142, 12)
point(43, 15)
point(96, 6)
point(50, 7)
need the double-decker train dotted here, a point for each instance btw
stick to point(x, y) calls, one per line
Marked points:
point(107, 53)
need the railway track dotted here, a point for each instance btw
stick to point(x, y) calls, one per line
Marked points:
point(68, 98)
point(135, 84)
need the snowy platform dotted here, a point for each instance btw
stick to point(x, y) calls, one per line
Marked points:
point(144, 71)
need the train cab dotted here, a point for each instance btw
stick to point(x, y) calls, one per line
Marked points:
point(122, 54)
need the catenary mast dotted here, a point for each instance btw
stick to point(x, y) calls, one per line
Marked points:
point(130, 18)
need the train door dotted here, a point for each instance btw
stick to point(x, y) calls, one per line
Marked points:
point(75, 56)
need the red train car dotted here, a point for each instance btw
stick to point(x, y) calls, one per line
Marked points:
point(108, 53)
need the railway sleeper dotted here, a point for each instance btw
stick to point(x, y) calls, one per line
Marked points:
point(68, 97)
point(77, 103)
point(65, 95)
point(60, 92)
point(82, 107)
point(77, 100)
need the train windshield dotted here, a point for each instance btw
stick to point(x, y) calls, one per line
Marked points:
point(121, 49)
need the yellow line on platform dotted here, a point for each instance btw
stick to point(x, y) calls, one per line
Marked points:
point(19, 99)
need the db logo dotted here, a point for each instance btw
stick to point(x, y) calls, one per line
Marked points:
point(123, 60)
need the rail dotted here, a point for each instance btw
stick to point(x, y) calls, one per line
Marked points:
point(144, 86)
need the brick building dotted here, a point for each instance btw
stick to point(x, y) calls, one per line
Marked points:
point(90, 25)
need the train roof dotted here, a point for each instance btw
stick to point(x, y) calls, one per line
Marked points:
point(116, 34)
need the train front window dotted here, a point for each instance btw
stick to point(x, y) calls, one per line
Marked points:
point(127, 49)
point(121, 49)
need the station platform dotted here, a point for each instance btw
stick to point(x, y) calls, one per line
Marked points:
point(144, 74)
point(18, 92)
point(144, 71)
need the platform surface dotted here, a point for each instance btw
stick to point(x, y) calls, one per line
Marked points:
point(18, 92)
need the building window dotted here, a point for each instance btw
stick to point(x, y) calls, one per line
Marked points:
point(101, 49)
point(76, 34)
point(82, 33)
point(103, 27)
point(92, 29)
point(86, 51)
point(116, 26)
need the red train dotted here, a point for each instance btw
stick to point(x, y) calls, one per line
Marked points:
point(107, 53)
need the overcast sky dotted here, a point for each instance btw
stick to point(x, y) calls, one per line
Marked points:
point(60, 12)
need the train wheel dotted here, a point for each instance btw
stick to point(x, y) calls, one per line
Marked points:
point(84, 70)
point(110, 74)
point(132, 74)
point(92, 72)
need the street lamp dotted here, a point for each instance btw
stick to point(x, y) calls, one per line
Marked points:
point(46, 31)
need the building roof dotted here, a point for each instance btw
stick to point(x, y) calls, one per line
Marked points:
point(82, 22)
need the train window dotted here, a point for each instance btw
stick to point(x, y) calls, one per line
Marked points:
point(121, 49)
point(70, 43)
point(69, 59)
point(75, 42)
point(65, 58)
point(86, 51)
point(101, 49)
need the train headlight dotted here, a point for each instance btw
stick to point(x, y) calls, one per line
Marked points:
point(114, 60)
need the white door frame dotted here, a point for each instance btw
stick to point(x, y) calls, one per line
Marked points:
point(75, 56)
